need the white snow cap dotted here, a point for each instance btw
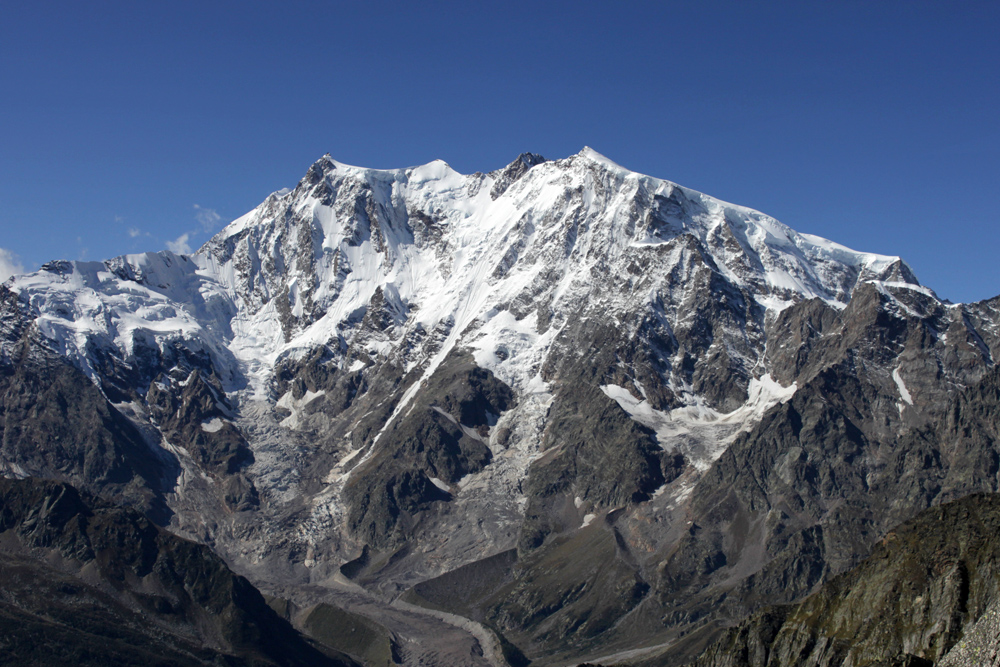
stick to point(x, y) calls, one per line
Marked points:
point(443, 255)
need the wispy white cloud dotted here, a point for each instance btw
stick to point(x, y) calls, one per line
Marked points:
point(10, 264)
point(134, 232)
point(208, 218)
point(180, 245)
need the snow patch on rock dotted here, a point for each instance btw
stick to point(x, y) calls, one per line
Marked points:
point(697, 431)
point(901, 386)
point(212, 426)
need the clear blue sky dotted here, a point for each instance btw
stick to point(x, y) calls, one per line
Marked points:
point(125, 125)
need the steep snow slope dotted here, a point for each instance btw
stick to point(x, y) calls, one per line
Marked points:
point(301, 269)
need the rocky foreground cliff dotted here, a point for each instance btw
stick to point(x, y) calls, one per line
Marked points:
point(928, 595)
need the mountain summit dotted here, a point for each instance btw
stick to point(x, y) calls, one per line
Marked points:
point(607, 394)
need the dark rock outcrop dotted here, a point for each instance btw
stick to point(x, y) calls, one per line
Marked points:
point(515, 170)
point(440, 437)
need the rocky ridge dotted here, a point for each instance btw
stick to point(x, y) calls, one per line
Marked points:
point(88, 582)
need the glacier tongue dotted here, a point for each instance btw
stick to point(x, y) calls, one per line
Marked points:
point(699, 432)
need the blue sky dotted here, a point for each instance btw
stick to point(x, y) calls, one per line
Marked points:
point(125, 126)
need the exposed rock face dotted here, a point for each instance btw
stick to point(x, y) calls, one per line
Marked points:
point(669, 409)
point(92, 583)
point(594, 454)
point(809, 489)
point(194, 411)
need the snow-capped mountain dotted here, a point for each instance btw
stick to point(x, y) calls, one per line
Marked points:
point(387, 375)
point(301, 270)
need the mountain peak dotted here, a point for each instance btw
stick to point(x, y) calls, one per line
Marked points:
point(309, 263)
point(513, 171)
point(530, 159)
point(594, 156)
point(320, 168)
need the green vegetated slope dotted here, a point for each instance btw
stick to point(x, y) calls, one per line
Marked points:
point(928, 595)
point(87, 583)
